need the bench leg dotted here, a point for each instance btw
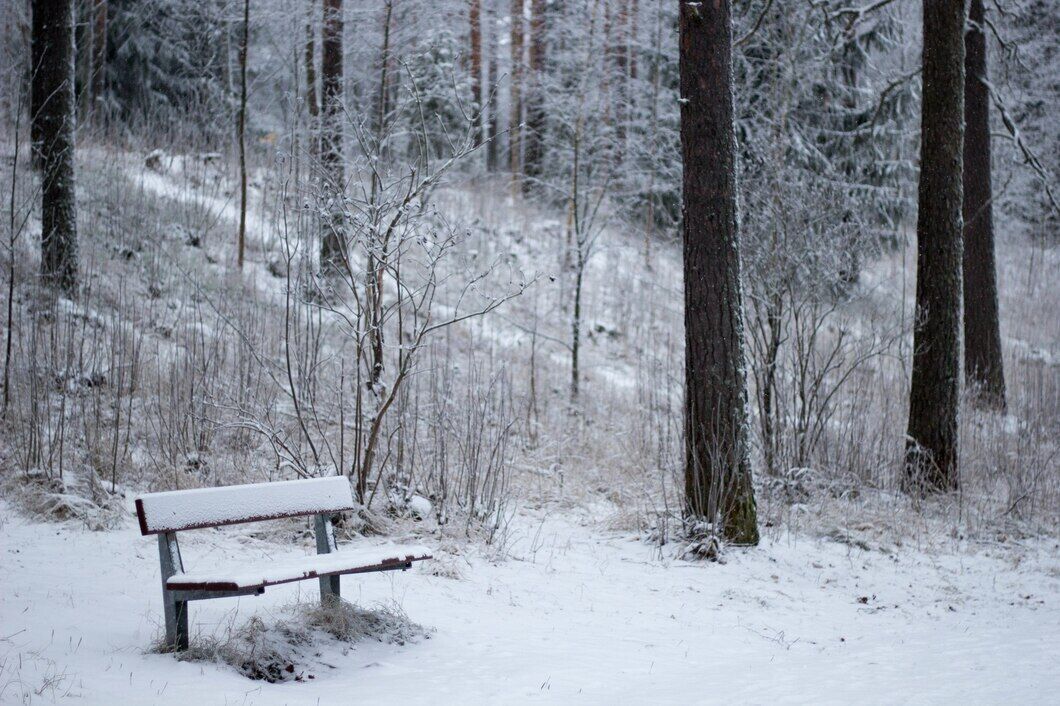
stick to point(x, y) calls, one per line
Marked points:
point(176, 610)
point(325, 535)
point(329, 589)
point(176, 621)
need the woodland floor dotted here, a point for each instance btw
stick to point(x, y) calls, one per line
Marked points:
point(568, 614)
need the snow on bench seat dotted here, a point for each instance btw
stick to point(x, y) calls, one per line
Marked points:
point(213, 507)
point(272, 572)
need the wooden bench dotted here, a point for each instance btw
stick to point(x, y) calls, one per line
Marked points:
point(165, 514)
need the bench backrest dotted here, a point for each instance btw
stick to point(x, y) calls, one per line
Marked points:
point(214, 507)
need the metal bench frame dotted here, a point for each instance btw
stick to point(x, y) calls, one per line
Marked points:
point(166, 526)
point(175, 602)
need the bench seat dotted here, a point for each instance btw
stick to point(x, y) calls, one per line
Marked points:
point(258, 575)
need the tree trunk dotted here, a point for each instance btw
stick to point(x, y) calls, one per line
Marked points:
point(241, 129)
point(516, 101)
point(475, 16)
point(53, 128)
point(533, 135)
point(983, 367)
point(99, 50)
point(618, 40)
point(491, 82)
point(333, 242)
point(717, 470)
point(934, 394)
point(311, 67)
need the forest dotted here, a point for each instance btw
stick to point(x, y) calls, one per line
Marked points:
point(613, 351)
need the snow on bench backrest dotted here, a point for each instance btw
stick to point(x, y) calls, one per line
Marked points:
point(213, 507)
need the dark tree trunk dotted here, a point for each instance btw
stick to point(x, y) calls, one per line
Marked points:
point(983, 368)
point(717, 469)
point(533, 135)
point(241, 130)
point(333, 242)
point(475, 17)
point(493, 124)
point(99, 49)
point(310, 59)
point(934, 394)
point(53, 130)
point(516, 102)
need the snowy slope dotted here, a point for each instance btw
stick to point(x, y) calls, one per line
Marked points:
point(572, 616)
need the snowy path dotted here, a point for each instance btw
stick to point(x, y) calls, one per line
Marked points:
point(576, 617)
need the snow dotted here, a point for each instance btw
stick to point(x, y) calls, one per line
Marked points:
point(276, 571)
point(420, 506)
point(206, 507)
point(572, 614)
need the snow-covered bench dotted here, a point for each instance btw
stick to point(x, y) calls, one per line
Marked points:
point(165, 514)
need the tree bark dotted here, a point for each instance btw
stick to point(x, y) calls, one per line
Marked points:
point(717, 469)
point(516, 100)
point(983, 366)
point(475, 17)
point(934, 394)
point(99, 49)
point(333, 242)
point(533, 135)
point(241, 129)
point(492, 125)
point(53, 129)
point(310, 59)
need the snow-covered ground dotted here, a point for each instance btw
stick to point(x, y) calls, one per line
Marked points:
point(571, 614)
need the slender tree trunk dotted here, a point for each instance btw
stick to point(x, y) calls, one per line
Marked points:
point(717, 470)
point(333, 242)
point(491, 82)
point(311, 66)
point(53, 125)
point(475, 17)
point(382, 97)
point(934, 394)
point(375, 263)
point(619, 49)
point(631, 46)
point(12, 240)
point(653, 122)
point(983, 367)
point(533, 135)
point(99, 50)
point(516, 100)
point(241, 129)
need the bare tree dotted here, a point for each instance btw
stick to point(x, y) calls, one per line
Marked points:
point(983, 366)
point(718, 487)
point(53, 131)
point(934, 394)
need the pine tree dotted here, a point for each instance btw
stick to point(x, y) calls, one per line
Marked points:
point(493, 124)
point(475, 41)
point(983, 367)
point(99, 48)
point(516, 100)
point(241, 134)
point(717, 471)
point(333, 242)
point(934, 394)
point(53, 123)
point(533, 135)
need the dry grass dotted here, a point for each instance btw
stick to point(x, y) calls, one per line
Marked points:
point(294, 643)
